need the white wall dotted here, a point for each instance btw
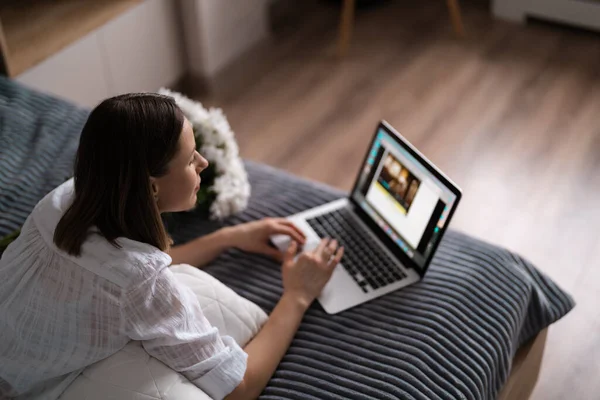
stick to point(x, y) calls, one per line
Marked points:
point(218, 31)
point(140, 50)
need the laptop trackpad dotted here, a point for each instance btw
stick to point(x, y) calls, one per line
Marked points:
point(341, 292)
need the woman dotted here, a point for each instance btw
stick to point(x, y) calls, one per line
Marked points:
point(90, 270)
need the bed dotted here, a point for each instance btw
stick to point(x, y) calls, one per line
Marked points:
point(473, 328)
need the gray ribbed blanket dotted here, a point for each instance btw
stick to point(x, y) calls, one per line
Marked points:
point(451, 336)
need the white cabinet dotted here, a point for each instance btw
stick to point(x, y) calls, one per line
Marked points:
point(583, 13)
point(143, 48)
point(152, 44)
point(140, 50)
point(76, 73)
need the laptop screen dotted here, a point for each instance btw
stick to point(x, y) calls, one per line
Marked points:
point(401, 195)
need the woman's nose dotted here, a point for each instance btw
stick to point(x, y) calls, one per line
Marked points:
point(202, 164)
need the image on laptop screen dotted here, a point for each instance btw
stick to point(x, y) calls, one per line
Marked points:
point(406, 200)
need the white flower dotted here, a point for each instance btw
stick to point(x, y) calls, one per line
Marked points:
point(219, 147)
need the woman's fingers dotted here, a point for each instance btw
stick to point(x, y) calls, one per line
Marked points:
point(332, 246)
point(335, 260)
point(290, 253)
point(289, 231)
point(321, 247)
point(289, 223)
point(329, 250)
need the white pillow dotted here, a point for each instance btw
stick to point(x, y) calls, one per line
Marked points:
point(233, 315)
point(131, 374)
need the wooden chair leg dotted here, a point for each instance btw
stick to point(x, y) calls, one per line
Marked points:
point(346, 27)
point(456, 16)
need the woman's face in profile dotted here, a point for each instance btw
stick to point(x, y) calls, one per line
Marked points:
point(178, 187)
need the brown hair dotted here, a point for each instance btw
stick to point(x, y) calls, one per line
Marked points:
point(126, 140)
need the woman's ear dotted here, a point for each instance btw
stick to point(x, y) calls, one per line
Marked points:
point(154, 186)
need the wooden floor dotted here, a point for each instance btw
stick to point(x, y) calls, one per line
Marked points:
point(512, 114)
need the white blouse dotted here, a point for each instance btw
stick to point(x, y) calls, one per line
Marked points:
point(60, 314)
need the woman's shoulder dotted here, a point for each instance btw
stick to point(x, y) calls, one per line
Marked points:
point(134, 261)
point(123, 265)
point(50, 209)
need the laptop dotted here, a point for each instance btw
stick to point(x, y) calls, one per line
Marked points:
point(390, 224)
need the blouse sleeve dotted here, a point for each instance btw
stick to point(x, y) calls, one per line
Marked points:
point(167, 318)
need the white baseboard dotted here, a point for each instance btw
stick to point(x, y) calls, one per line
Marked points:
point(580, 13)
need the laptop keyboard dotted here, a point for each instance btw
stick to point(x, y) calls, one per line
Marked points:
point(370, 269)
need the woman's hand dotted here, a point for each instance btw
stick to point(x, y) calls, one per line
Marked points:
point(305, 277)
point(254, 236)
